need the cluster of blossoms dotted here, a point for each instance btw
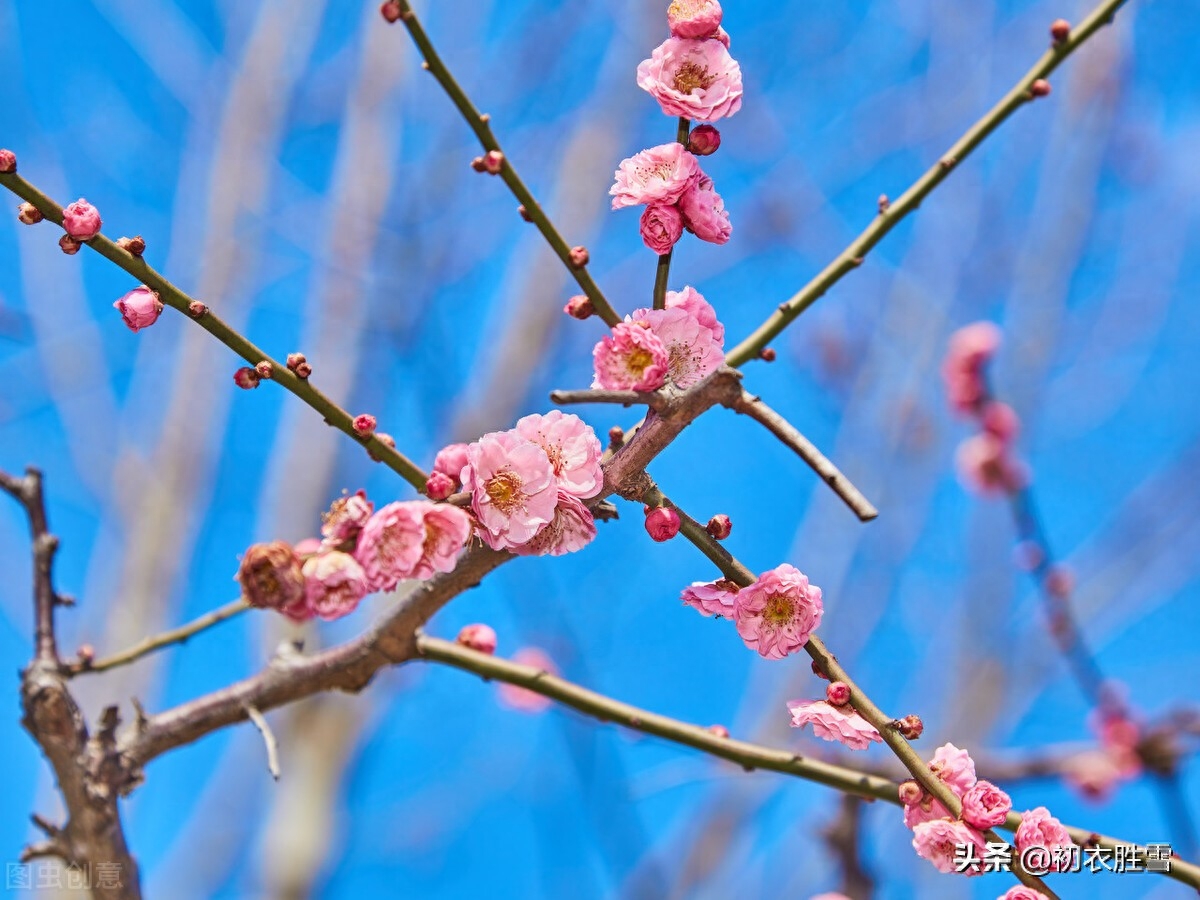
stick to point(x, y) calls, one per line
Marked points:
point(361, 550)
point(692, 76)
point(937, 835)
point(985, 460)
point(775, 615)
point(680, 345)
point(528, 484)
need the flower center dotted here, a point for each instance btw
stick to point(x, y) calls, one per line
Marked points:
point(638, 360)
point(504, 489)
point(778, 611)
point(692, 75)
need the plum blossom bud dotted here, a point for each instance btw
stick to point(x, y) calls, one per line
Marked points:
point(265, 369)
point(524, 213)
point(1027, 556)
point(478, 164)
point(1039, 88)
point(1060, 582)
point(719, 730)
point(81, 220)
point(579, 307)
point(299, 365)
point(384, 438)
point(493, 162)
point(661, 227)
point(767, 354)
point(910, 793)
point(271, 577)
point(197, 310)
point(134, 246)
point(391, 12)
point(28, 214)
point(719, 526)
point(246, 378)
point(580, 257)
point(86, 655)
point(69, 245)
point(696, 19)
point(704, 140)
point(481, 638)
point(1060, 30)
point(8, 162)
point(139, 308)
point(364, 425)
point(984, 805)
point(910, 727)
point(439, 486)
point(662, 523)
point(837, 693)
point(616, 437)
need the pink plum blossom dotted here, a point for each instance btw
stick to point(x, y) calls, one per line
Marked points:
point(970, 349)
point(81, 220)
point(270, 576)
point(692, 79)
point(985, 465)
point(659, 175)
point(693, 301)
point(139, 308)
point(334, 583)
point(694, 18)
point(450, 461)
point(447, 529)
point(1020, 892)
point(711, 598)
point(1094, 773)
point(955, 767)
point(346, 517)
point(513, 489)
point(478, 637)
point(661, 227)
point(704, 213)
point(984, 805)
point(834, 723)
point(692, 352)
point(1040, 829)
point(522, 699)
point(999, 419)
point(571, 529)
point(631, 358)
point(572, 448)
point(390, 545)
point(439, 486)
point(938, 840)
point(776, 614)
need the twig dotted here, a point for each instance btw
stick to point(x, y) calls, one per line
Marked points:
point(260, 722)
point(749, 756)
point(843, 837)
point(159, 641)
point(652, 399)
point(172, 296)
point(28, 492)
point(481, 125)
point(850, 258)
point(807, 451)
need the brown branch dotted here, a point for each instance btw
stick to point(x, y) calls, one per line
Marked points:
point(843, 837)
point(754, 407)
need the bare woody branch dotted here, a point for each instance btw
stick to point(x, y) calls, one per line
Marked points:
point(890, 214)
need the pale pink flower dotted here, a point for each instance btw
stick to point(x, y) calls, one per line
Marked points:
point(662, 523)
point(705, 215)
point(571, 529)
point(139, 308)
point(270, 576)
point(661, 227)
point(450, 461)
point(334, 583)
point(938, 840)
point(1001, 420)
point(969, 350)
point(777, 613)
point(711, 598)
point(985, 465)
point(478, 637)
point(513, 489)
point(346, 517)
point(658, 175)
point(694, 18)
point(631, 358)
point(692, 79)
point(984, 805)
point(1020, 892)
point(926, 809)
point(1040, 829)
point(693, 301)
point(81, 220)
point(834, 723)
point(692, 352)
point(391, 544)
point(520, 698)
point(955, 767)
point(572, 448)
point(1094, 773)
point(447, 530)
